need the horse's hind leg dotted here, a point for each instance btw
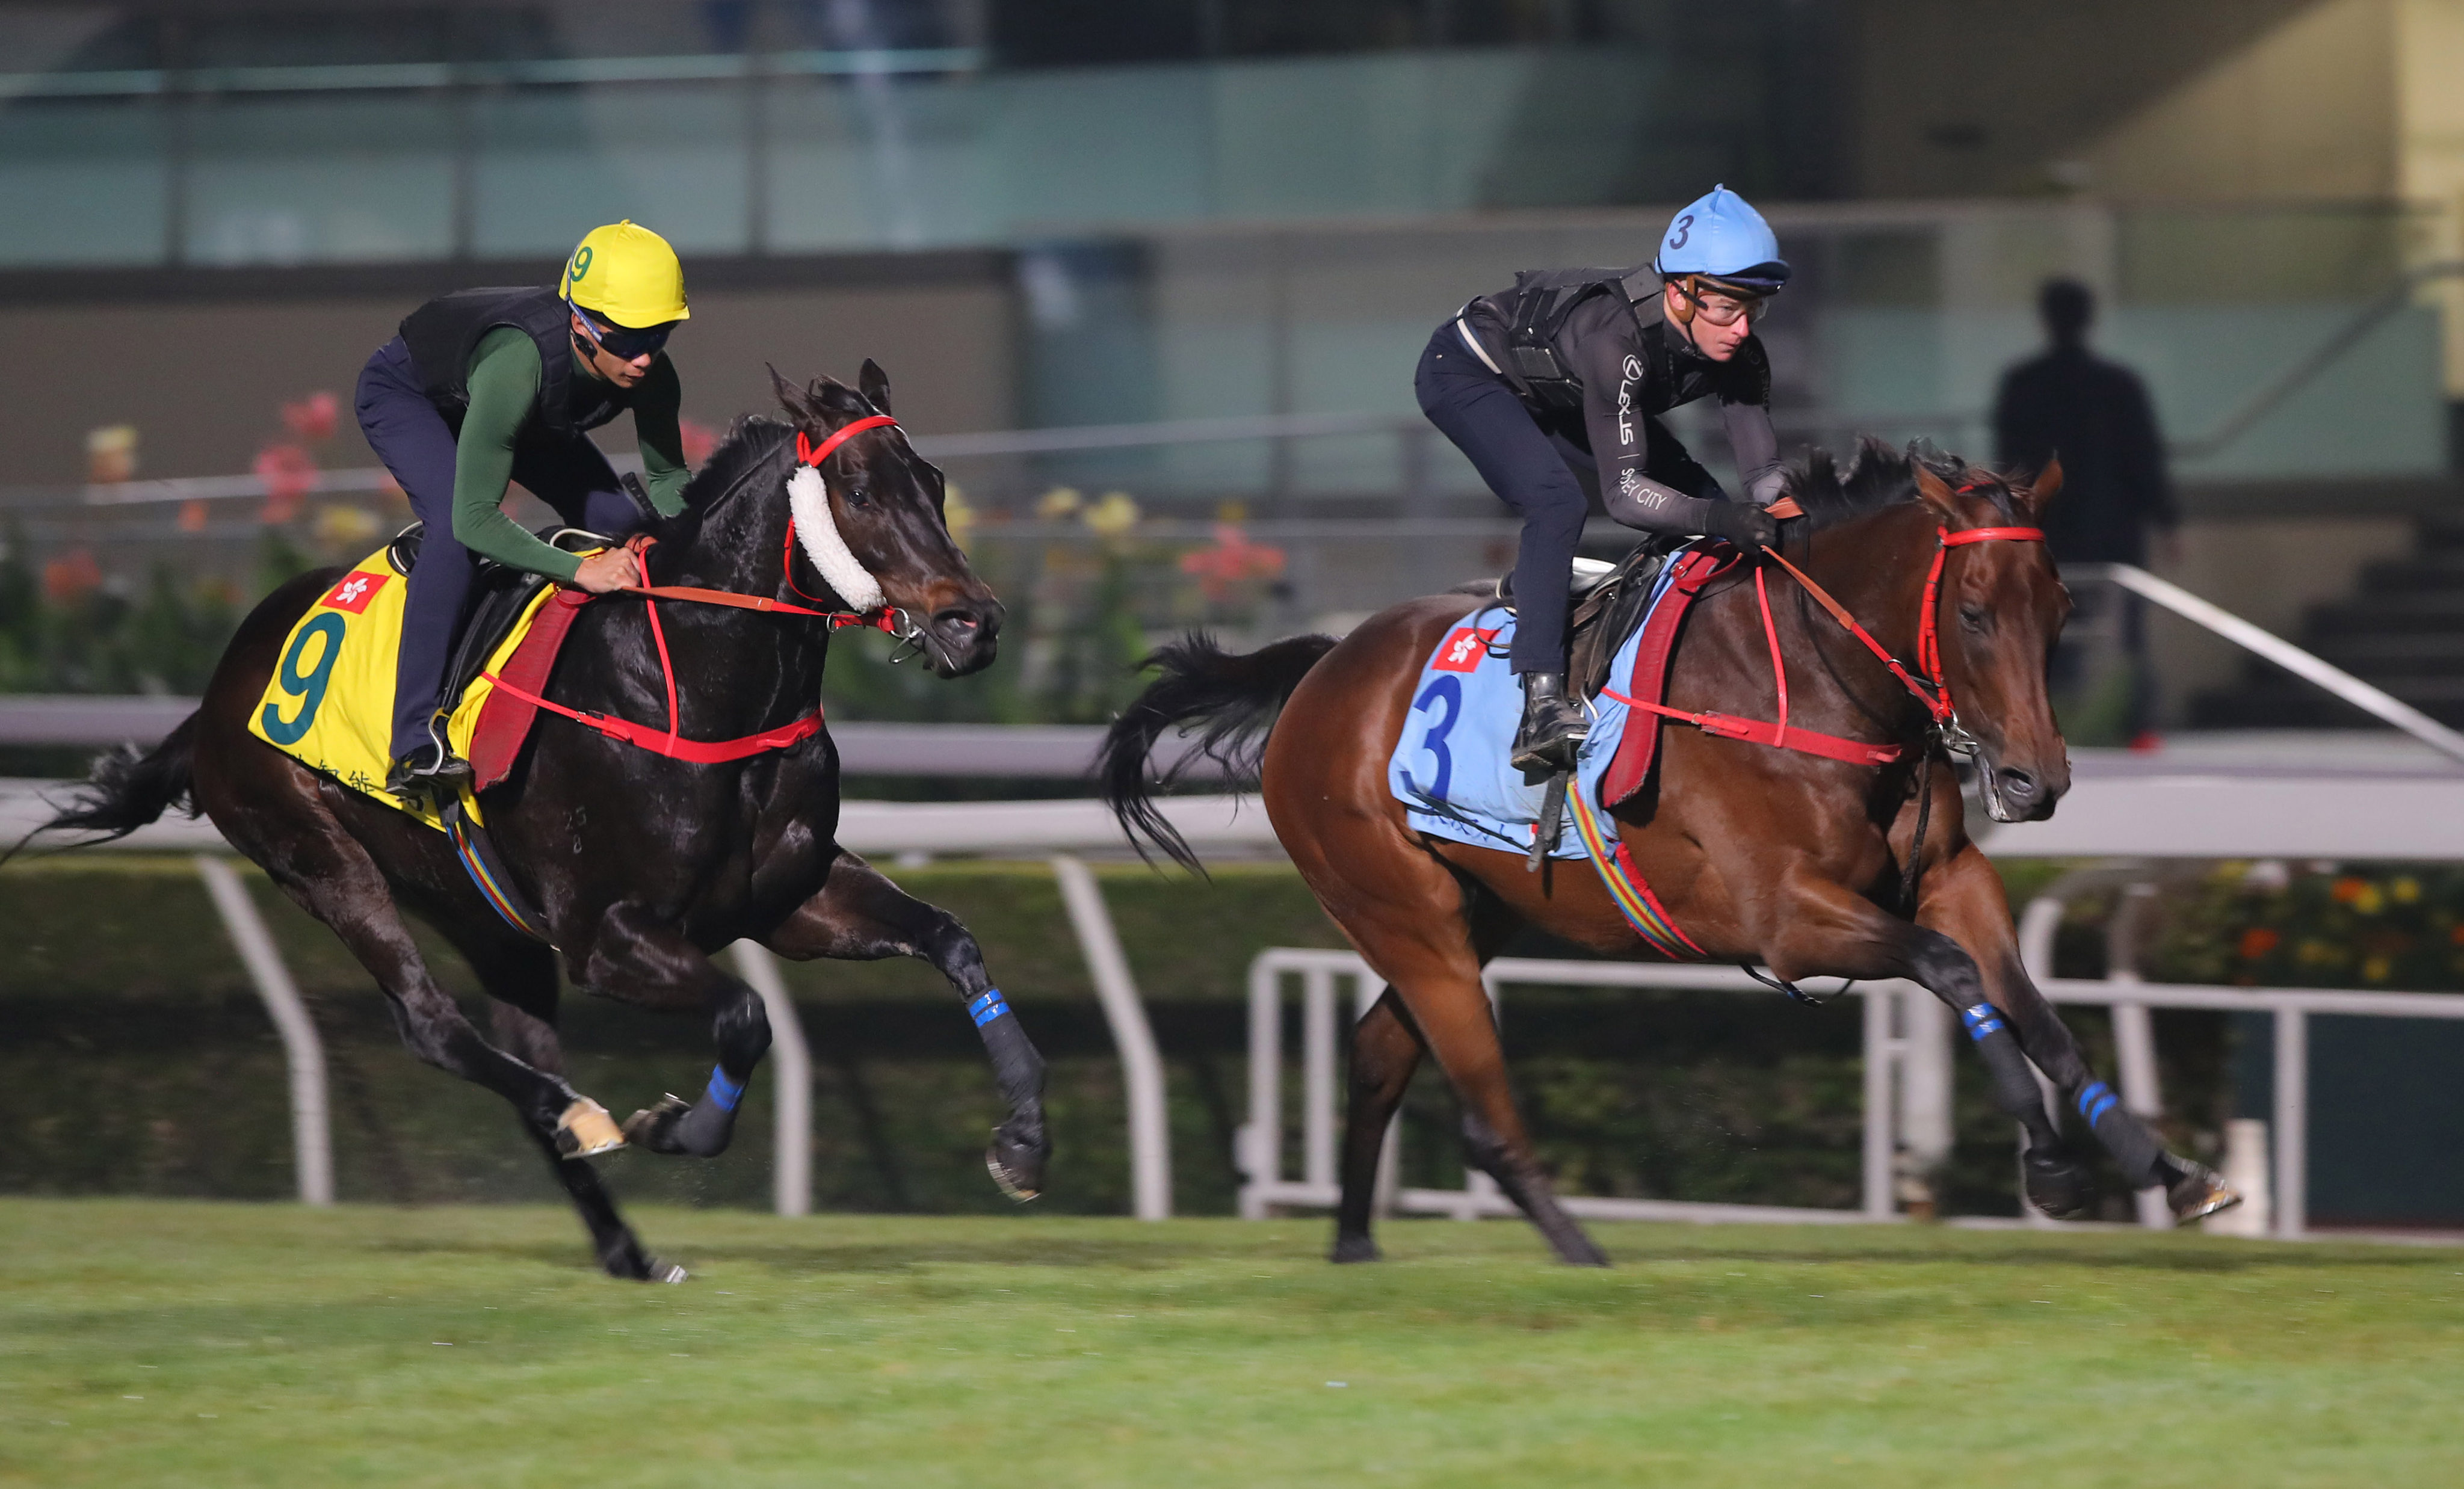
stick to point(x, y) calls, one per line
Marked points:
point(520, 977)
point(1385, 1050)
point(1965, 900)
point(333, 877)
point(859, 915)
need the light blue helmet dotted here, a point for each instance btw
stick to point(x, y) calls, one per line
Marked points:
point(1722, 238)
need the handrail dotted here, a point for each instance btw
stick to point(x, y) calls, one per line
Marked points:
point(2286, 384)
point(2283, 653)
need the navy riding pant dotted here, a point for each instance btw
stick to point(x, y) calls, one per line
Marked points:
point(416, 443)
point(1544, 477)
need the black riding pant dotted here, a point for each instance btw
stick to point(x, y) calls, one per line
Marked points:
point(1542, 475)
point(413, 438)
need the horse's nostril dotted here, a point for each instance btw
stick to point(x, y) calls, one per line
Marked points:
point(2018, 786)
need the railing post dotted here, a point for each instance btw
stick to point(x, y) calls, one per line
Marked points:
point(1879, 1137)
point(1141, 1066)
point(1261, 1140)
point(791, 1178)
point(2292, 1124)
point(311, 1138)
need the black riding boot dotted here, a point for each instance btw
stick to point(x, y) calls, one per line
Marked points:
point(433, 772)
point(1553, 728)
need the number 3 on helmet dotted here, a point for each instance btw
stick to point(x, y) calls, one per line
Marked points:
point(1726, 241)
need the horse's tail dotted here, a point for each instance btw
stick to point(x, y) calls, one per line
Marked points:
point(1231, 699)
point(126, 790)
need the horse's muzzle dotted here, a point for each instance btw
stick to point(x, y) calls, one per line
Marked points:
point(2016, 795)
point(963, 638)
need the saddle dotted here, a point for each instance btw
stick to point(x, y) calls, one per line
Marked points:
point(499, 598)
point(1609, 600)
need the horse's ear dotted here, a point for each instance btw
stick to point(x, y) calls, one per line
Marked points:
point(874, 384)
point(2040, 492)
point(791, 398)
point(1936, 492)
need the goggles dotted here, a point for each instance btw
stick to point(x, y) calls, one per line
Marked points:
point(1730, 308)
point(622, 343)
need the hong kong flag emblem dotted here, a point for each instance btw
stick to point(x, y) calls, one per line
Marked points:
point(1464, 649)
point(355, 592)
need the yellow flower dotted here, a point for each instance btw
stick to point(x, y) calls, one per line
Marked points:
point(2369, 901)
point(958, 514)
point(1057, 503)
point(1111, 517)
point(339, 524)
point(2405, 890)
point(2375, 969)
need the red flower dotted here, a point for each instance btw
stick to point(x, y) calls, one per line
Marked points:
point(1232, 560)
point(2345, 891)
point(71, 577)
point(313, 418)
point(699, 440)
point(2257, 942)
point(289, 474)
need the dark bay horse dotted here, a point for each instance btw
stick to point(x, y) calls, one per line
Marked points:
point(641, 865)
point(1760, 854)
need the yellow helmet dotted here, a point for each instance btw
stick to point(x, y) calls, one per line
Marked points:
point(627, 276)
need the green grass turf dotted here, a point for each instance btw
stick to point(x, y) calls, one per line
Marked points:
point(167, 1343)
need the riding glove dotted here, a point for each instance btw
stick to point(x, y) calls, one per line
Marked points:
point(1747, 527)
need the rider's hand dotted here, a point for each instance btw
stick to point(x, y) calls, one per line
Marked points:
point(1747, 527)
point(602, 573)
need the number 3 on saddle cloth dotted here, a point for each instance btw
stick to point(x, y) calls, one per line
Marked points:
point(330, 706)
point(1450, 768)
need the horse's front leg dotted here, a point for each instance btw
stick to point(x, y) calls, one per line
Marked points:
point(1964, 900)
point(653, 964)
point(859, 915)
point(1813, 926)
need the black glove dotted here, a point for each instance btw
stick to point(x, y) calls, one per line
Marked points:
point(1750, 528)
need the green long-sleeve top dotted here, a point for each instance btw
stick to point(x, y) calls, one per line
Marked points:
point(505, 392)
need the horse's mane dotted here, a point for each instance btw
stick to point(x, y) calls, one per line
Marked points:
point(1879, 477)
point(754, 438)
point(751, 440)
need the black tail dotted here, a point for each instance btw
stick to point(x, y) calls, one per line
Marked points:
point(1233, 699)
point(126, 790)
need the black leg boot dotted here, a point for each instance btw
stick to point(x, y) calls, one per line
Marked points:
point(1553, 726)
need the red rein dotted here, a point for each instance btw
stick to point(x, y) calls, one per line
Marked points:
point(719, 752)
point(1855, 751)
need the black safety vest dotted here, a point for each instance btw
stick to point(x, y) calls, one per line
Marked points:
point(1538, 307)
point(443, 334)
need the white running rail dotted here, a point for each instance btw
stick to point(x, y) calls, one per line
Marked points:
point(1888, 1059)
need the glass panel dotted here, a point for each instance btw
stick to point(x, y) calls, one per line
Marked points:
point(82, 183)
point(321, 179)
point(554, 163)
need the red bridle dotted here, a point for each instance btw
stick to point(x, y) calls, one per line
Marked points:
point(1937, 698)
point(885, 619)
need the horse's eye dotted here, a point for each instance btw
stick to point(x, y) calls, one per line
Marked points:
point(858, 495)
point(1975, 619)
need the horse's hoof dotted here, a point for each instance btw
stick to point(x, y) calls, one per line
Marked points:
point(585, 1130)
point(1017, 1171)
point(1354, 1248)
point(654, 1127)
point(668, 1272)
point(2057, 1186)
point(2200, 1192)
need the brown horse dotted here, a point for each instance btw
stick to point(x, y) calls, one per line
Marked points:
point(1759, 854)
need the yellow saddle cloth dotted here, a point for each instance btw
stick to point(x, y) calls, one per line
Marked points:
point(330, 703)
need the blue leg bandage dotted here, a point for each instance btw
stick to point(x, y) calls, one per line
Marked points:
point(987, 1007)
point(724, 1091)
point(2095, 1099)
point(1982, 1020)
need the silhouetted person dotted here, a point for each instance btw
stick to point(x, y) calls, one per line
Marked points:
point(2095, 414)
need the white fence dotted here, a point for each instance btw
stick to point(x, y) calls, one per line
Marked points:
point(1906, 1050)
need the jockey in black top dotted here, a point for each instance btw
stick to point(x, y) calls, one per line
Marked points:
point(1554, 386)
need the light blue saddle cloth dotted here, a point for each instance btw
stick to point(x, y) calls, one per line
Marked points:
point(1450, 769)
